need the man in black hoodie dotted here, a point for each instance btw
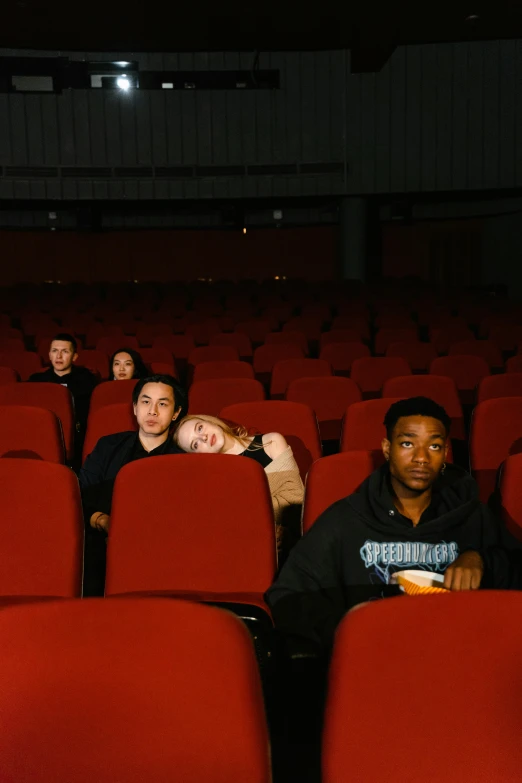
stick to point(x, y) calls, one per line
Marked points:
point(415, 512)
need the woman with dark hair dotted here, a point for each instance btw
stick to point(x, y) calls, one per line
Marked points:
point(125, 364)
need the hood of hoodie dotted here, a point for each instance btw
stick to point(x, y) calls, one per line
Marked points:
point(454, 498)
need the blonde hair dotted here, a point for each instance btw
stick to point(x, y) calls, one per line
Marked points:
point(237, 432)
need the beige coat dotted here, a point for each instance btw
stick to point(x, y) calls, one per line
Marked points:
point(286, 487)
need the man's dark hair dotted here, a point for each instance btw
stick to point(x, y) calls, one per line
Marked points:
point(180, 393)
point(66, 338)
point(415, 406)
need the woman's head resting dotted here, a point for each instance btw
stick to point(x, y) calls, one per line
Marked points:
point(204, 434)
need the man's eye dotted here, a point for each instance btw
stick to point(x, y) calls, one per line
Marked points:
point(436, 446)
point(406, 443)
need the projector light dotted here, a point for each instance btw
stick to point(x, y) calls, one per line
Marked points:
point(123, 83)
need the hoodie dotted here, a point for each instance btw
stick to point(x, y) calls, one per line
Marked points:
point(358, 543)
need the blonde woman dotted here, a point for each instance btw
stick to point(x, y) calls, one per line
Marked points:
point(209, 435)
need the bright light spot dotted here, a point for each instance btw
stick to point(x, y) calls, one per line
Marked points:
point(123, 83)
point(276, 277)
point(167, 85)
point(122, 63)
point(244, 231)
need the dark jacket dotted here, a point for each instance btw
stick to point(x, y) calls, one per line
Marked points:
point(80, 382)
point(102, 465)
point(355, 546)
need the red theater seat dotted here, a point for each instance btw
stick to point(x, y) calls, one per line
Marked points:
point(505, 385)
point(340, 336)
point(202, 332)
point(295, 421)
point(485, 348)
point(95, 361)
point(466, 371)
point(30, 433)
point(511, 494)
point(210, 396)
point(211, 370)
point(287, 370)
point(107, 420)
point(25, 363)
point(177, 669)
point(341, 356)
point(266, 356)
point(329, 397)
point(483, 657)
point(418, 355)
point(241, 342)
point(111, 344)
point(256, 329)
point(196, 548)
point(363, 427)
point(7, 376)
point(178, 345)
point(332, 478)
point(112, 392)
point(388, 335)
point(496, 433)
point(370, 373)
point(147, 333)
point(42, 535)
point(514, 364)
point(293, 337)
point(445, 336)
point(213, 353)
point(49, 396)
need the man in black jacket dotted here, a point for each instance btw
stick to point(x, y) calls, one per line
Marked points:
point(158, 401)
point(79, 380)
point(415, 512)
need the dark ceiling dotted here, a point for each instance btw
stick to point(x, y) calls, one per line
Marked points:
point(371, 28)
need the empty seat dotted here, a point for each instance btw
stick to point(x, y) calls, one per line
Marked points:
point(210, 396)
point(158, 355)
point(112, 344)
point(30, 433)
point(309, 325)
point(340, 336)
point(203, 331)
point(511, 494)
point(514, 364)
point(418, 355)
point(466, 371)
point(332, 478)
point(256, 329)
point(388, 335)
point(358, 323)
point(363, 427)
point(97, 330)
point(294, 337)
point(25, 363)
point(341, 356)
point(11, 344)
point(398, 320)
point(443, 337)
point(197, 548)
point(213, 353)
point(42, 542)
point(288, 370)
point(233, 369)
point(297, 422)
point(439, 388)
point(241, 342)
point(112, 392)
point(7, 376)
point(50, 396)
point(505, 385)
point(179, 346)
point(107, 420)
point(483, 657)
point(146, 333)
point(267, 355)
point(506, 336)
point(95, 361)
point(485, 348)
point(177, 669)
point(329, 397)
point(496, 433)
point(370, 373)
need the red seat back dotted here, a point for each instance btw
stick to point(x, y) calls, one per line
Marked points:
point(341, 356)
point(188, 665)
point(146, 333)
point(241, 342)
point(267, 355)
point(196, 545)
point(511, 494)
point(485, 348)
point(295, 421)
point(506, 385)
point(179, 345)
point(256, 329)
point(496, 433)
point(388, 335)
point(30, 433)
point(418, 355)
point(25, 363)
point(50, 396)
point(210, 396)
point(95, 361)
point(293, 337)
point(232, 369)
point(329, 397)
point(340, 336)
point(107, 420)
point(288, 370)
point(7, 376)
point(112, 344)
point(484, 639)
point(370, 373)
point(213, 353)
point(332, 478)
point(363, 427)
point(42, 546)
point(466, 371)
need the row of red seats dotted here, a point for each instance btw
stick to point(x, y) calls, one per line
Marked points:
point(50, 656)
point(41, 555)
point(496, 428)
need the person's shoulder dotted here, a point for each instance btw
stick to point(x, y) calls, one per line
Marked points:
point(84, 372)
point(37, 377)
point(274, 444)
